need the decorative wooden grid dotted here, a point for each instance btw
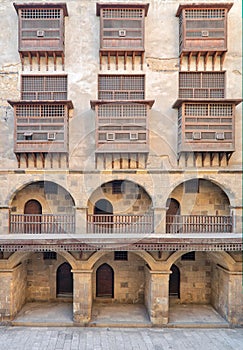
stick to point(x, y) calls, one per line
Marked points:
point(44, 87)
point(122, 111)
point(121, 87)
point(123, 13)
point(40, 111)
point(40, 13)
point(201, 84)
point(205, 13)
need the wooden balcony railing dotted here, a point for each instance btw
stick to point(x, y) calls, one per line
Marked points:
point(42, 223)
point(198, 224)
point(126, 223)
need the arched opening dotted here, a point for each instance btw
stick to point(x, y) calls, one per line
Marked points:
point(103, 206)
point(174, 283)
point(173, 207)
point(172, 214)
point(64, 281)
point(103, 216)
point(32, 218)
point(204, 208)
point(124, 205)
point(48, 217)
point(105, 281)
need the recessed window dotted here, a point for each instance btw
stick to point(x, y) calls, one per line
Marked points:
point(188, 256)
point(49, 255)
point(120, 255)
point(192, 186)
point(50, 188)
point(117, 187)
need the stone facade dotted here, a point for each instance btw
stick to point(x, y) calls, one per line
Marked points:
point(73, 183)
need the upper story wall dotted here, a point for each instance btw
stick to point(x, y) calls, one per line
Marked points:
point(161, 68)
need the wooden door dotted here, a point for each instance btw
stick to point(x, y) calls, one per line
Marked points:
point(174, 284)
point(32, 218)
point(105, 281)
point(64, 280)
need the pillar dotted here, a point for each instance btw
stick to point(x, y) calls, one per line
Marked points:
point(237, 219)
point(159, 297)
point(236, 299)
point(5, 294)
point(81, 220)
point(82, 296)
point(228, 296)
point(160, 220)
point(4, 220)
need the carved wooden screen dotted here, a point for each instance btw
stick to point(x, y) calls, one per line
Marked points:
point(203, 29)
point(122, 123)
point(121, 87)
point(201, 85)
point(41, 128)
point(43, 87)
point(40, 29)
point(122, 28)
point(206, 126)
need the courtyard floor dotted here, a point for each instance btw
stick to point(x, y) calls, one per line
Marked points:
point(117, 315)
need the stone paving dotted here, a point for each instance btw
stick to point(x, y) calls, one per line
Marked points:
point(74, 338)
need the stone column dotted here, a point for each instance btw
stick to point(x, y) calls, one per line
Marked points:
point(4, 220)
point(159, 297)
point(237, 219)
point(235, 298)
point(82, 296)
point(81, 220)
point(5, 294)
point(160, 220)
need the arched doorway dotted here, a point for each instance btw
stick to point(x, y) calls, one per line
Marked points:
point(174, 283)
point(32, 216)
point(103, 216)
point(64, 280)
point(105, 281)
point(172, 215)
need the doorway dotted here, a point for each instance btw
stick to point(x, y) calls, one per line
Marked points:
point(64, 281)
point(103, 216)
point(173, 216)
point(105, 281)
point(174, 283)
point(32, 216)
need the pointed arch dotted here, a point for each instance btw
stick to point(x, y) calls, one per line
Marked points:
point(64, 280)
point(105, 281)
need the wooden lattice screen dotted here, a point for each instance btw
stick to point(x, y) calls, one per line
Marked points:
point(41, 28)
point(206, 126)
point(41, 127)
point(44, 87)
point(121, 87)
point(203, 29)
point(122, 28)
point(122, 123)
point(201, 85)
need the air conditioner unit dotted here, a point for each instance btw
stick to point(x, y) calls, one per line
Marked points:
point(110, 136)
point(51, 136)
point(133, 136)
point(219, 135)
point(205, 33)
point(196, 135)
point(122, 32)
point(40, 33)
